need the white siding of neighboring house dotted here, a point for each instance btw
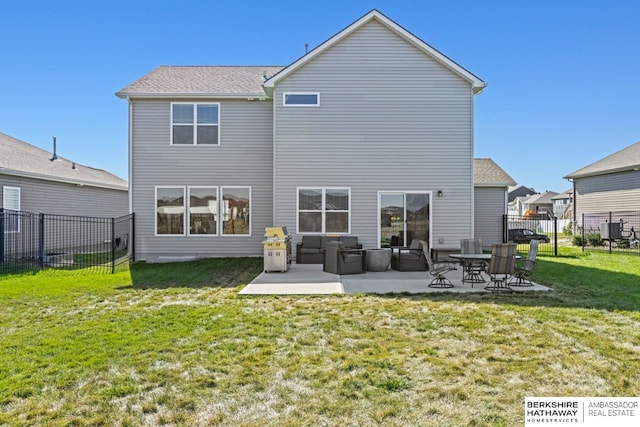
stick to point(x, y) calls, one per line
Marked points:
point(605, 193)
point(390, 118)
point(243, 158)
point(489, 207)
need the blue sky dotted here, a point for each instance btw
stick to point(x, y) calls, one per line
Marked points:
point(562, 76)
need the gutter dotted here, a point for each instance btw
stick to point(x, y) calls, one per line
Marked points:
point(249, 96)
point(77, 182)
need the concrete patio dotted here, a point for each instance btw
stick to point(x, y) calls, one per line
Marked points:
point(309, 279)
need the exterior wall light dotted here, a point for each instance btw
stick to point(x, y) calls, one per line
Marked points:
point(439, 193)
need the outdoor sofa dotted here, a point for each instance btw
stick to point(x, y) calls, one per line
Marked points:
point(311, 249)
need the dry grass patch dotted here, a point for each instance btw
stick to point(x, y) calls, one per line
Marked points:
point(141, 348)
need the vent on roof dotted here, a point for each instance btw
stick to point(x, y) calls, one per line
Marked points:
point(55, 155)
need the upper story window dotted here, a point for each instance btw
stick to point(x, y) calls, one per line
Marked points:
point(195, 124)
point(300, 99)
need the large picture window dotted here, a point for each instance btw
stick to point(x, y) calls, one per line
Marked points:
point(236, 203)
point(203, 210)
point(170, 210)
point(11, 201)
point(324, 210)
point(195, 124)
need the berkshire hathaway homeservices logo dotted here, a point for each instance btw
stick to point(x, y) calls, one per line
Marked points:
point(582, 411)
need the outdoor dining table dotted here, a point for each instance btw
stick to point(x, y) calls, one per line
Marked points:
point(472, 275)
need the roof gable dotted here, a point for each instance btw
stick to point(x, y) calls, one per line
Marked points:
point(476, 83)
point(18, 158)
point(624, 160)
point(487, 173)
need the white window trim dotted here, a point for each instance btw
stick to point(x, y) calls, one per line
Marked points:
point(194, 124)
point(323, 211)
point(221, 208)
point(284, 98)
point(155, 211)
point(218, 216)
point(4, 204)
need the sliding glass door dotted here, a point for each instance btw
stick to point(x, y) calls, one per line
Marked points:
point(403, 216)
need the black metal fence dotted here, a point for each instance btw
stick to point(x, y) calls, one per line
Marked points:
point(614, 232)
point(522, 231)
point(32, 241)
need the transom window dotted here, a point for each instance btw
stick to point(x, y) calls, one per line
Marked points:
point(299, 99)
point(195, 124)
point(324, 210)
point(194, 211)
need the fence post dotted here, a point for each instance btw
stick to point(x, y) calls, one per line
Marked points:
point(610, 226)
point(555, 236)
point(41, 239)
point(582, 232)
point(1, 234)
point(505, 230)
point(113, 245)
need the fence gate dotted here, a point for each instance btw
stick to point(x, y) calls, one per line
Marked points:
point(36, 240)
point(522, 231)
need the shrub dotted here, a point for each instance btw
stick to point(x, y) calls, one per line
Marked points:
point(594, 239)
point(568, 229)
point(577, 240)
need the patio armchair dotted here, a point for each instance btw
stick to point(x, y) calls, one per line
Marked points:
point(437, 270)
point(339, 259)
point(524, 268)
point(501, 266)
point(472, 269)
point(411, 258)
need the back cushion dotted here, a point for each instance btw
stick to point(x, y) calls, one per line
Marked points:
point(415, 247)
point(349, 241)
point(311, 241)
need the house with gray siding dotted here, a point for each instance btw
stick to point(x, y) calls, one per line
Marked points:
point(370, 134)
point(611, 184)
point(31, 181)
point(491, 198)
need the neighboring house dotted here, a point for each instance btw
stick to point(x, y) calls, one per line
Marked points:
point(608, 185)
point(516, 191)
point(517, 196)
point(30, 181)
point(369, 134)
point(563, 205)
point(491, 184)
point(540, 204)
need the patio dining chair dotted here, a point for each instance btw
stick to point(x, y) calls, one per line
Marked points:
point(524, 268)
point(472, 269)
point(437, 270)
point(501, 266)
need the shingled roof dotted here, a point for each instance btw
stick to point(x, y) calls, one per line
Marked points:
point(486, 173)
point(19, 158)
point(212, 81)
point(624, 160)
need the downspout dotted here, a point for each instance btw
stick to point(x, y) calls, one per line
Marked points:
point(130, 142)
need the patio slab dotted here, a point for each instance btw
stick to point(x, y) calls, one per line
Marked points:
point(309, 279)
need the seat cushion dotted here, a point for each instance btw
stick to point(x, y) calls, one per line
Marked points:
point(304, 250)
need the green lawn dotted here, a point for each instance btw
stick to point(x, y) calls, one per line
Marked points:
point(174, 344)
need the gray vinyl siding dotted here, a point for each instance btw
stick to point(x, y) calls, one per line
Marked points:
point(613, 192)
point(40, 196)
point(390, 118)
point(489, 207)
point(243, 158)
